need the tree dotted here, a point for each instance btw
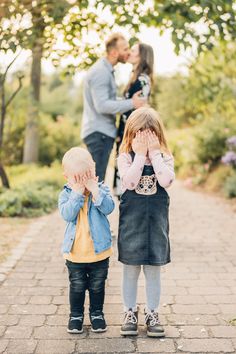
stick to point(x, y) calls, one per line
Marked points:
point(5, 102)
point(37, 25)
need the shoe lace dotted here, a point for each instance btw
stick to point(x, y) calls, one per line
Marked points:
point(79, 318)
point(98, 317)
point(130, 317)
point(153, 317)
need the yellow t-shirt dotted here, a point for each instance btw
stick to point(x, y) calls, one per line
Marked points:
point(83, 249)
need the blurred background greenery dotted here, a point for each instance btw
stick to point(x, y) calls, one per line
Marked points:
point(198, 106)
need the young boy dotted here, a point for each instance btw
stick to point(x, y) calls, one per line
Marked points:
point(84, 204)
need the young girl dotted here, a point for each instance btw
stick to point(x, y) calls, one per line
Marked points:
point(146, 167)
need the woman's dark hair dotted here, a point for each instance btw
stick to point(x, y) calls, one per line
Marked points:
point(145, 65)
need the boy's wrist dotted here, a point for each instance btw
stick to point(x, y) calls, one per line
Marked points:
point(95, 192)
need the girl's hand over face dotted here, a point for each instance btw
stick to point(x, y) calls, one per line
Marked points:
point(153, 141)
point(139, 143)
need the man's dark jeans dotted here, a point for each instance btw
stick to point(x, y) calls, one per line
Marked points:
point(91, 276)
point(100, 145)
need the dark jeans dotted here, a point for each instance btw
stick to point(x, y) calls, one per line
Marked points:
point(91, 276)
point(100, 145)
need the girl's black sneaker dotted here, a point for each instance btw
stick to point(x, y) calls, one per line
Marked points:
point(75, 324)
point(154, 328)
point(130, 324)
point(98, 323)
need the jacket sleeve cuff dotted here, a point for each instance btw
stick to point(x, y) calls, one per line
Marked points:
point(76, 196)
point(100, 198)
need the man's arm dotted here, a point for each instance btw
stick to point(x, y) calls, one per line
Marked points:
point(99, 85)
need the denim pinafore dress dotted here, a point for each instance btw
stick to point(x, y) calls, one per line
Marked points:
point(143, 237)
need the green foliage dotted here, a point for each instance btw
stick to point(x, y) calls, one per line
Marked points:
point(29, 200)
point(44, 21)
point(60, 119)
point(34, 190)
point(181, 145)
point(210, 137)
point(56, 138)
point(230, 186)
point(217, 20)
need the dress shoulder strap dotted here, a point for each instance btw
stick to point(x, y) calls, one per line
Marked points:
point(132, 154)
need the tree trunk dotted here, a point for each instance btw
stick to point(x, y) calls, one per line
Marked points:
point(31, 146)
point(4, 178)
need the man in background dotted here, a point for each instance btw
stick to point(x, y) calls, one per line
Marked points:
point(100, 104)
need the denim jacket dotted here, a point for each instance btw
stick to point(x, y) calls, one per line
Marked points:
point(69, 205)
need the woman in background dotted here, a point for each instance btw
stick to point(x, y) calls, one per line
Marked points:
point(142, 59)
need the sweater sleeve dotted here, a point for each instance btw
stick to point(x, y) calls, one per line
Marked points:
point(163, 167)
point(130, 172)
point(103, 104)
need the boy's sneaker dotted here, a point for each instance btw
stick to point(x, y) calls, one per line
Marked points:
point(154, 328)
point(75, 324)
point(98, 323)
point(130, 324)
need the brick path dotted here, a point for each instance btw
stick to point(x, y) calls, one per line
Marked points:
point(198, 288)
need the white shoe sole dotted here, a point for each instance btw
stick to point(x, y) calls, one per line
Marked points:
point(74, 331)
point(99, 330)
point(129, 333)
point(158, 335)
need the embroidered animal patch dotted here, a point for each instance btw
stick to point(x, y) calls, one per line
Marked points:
point(147, 185)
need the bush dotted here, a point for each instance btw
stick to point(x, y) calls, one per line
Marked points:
point(56, 138)
point(211, 138)
point(230, 186)
point(36, 197)
point(181, 146)
point(29, 200)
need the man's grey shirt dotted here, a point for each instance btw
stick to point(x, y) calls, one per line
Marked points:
point(100, 103)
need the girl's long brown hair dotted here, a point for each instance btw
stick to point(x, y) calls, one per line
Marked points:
point(141, 119)
point(145, 66)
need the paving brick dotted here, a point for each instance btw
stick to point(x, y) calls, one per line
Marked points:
point(115, 345)
point(2, 330)
point(54, 332)
point(3, 345)
point(33, 309)
point(55, 282)
point(21, 275)
point(60, 300)
point(40, 300)
point(192, 319)
point(224, 331)
point(8, 291)
point(149, 345)
point(205, 345)
point(21, 346)
point(55, 346)
point(18, 332)
point(194, 331)
point(189, 299)
point(231, 309)
point(220, 299)
point(196, 309)
point(4, 308)
point(38, 291)
point(14, 299)
point(20, 282)
point(209, 290)
point(57, 320)
point(32, 320)
point(9, 320)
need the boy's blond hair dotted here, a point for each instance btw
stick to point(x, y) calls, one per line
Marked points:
point(77, 160)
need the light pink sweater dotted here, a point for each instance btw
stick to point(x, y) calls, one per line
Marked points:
point(131, 172)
